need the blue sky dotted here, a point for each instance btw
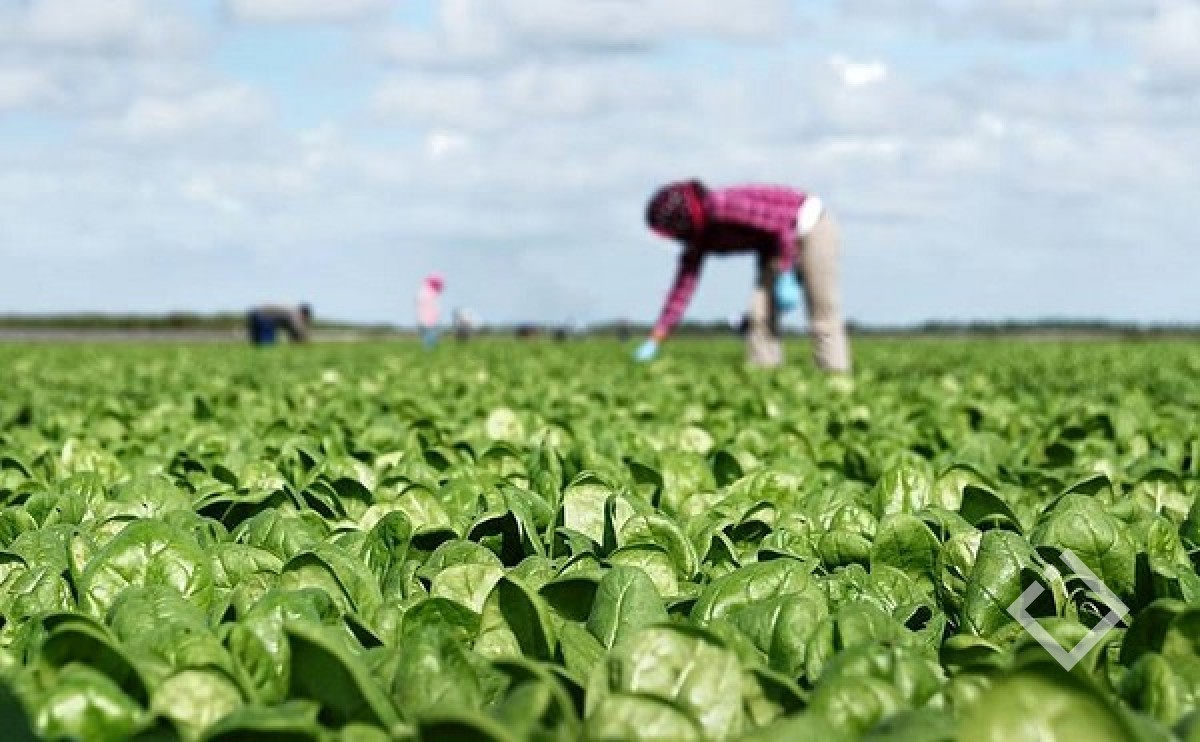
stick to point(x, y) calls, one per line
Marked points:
point(987, 160)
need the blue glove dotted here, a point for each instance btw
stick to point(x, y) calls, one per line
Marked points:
point(787, 291)
point(646, 351)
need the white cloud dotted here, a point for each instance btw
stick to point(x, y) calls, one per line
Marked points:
point(1169, 41)
point(81, 59)
point(119, 27)
point(524, 95)
point(472, 31)
point(859, 74)
point(625, 23)
point(204, 190)
point(1040, 20)
point(215, 112)
point(76, 24)
point(22, 87)
point(305, 11)
point(441, 144)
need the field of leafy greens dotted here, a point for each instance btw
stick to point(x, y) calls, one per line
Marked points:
point(531, 541)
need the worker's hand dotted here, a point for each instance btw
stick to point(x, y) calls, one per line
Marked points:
point(646, 351)
point(787, 291)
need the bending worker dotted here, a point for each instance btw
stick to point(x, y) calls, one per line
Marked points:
point(263, 323)
point(795, 239)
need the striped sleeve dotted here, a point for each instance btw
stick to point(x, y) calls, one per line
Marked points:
point(680, 295)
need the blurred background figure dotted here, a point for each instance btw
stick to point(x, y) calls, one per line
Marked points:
point(427, 308)
point(571, 330)
point(264, 323)
point(465, 323)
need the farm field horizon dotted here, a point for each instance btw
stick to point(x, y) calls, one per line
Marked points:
point(534, 540)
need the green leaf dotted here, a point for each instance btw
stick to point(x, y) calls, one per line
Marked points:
point(662, 532)
point(1167, 627)
point(1097, 538)
point(262, 657)
point(626, 601)
point(13, 718)
point(386, 550)
point(443, 615)
point(284, 536)
point(147, 553)
point(906, 487)
point(1044, 702)
point(1166, 689)
point(653, 561)
point(641, 716)
point(85, 704)
point(750, 584)
point(294, 721)
point(726, 468)
point(329, 568)
point(159, 622)
point(196, 698)
point(516, 621)
point(687, 667)
point(997, 580)
point(906, 543)
point(579, 651)
point(535, 703)
point(571, 595)
point(435, 674)
point(855, 703)
point(468, 584)
point(325, 672)
point(808, 725)
point(74, 639)
point(456, 553)
point(782, 627)
point(924, 725)
point(15, 521)
point(33, 592)
point(462, 726)
point(583, 506)
point(985, 510)
point(232, 563)
point(684, 476)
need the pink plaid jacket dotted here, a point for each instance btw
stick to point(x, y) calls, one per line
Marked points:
point(743, 219)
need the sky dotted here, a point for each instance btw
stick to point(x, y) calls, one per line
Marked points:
point(986, 159)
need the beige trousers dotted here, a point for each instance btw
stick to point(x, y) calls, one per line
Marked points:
point(817, 270)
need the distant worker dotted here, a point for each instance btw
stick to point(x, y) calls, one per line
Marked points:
point(464, 324)
point(427, 308)
point(796, 240)
point(263, 323)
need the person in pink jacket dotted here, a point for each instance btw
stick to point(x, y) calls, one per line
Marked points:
point(427, 308)
point(795, 240)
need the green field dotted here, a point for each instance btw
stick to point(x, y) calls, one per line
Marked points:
point(539, 541)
